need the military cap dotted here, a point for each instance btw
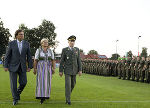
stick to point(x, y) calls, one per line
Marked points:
point(72, 37)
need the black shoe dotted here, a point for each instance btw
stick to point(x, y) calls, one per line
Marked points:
point(15, 102)
point(42, 100)
point(69, 103)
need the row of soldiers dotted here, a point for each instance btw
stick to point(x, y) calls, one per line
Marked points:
point(99, 67)
point(135, 68)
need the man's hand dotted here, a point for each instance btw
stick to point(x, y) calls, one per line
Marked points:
point(6, 69)
point(80, 73)
point(60, 74)
point(28, 70)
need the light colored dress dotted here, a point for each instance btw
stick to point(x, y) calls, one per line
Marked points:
point(44, 73)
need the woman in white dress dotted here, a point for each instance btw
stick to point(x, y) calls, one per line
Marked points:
point(44, 66)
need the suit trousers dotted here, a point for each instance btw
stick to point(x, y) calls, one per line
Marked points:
point(13, 82)
point(70, 81)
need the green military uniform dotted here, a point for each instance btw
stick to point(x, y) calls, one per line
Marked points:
point(141, 70)
point(147, 73)
point(119, 69)
point(132, 64)
point(90, 66)
point(128, 71)
point(99, 62)
point(137, 70)
point(70, 64)
point(87, 66)
point(104, 68)
point(101, 69)
point(123, 69)
point(83, 64)
point(110, 68)
point(115, 69)
point(107, 68)
point(96, 67)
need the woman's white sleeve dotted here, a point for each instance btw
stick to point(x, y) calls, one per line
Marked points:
point(37, 54)
point(52, 54)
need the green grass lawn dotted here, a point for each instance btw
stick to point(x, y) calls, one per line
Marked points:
point(90, 92)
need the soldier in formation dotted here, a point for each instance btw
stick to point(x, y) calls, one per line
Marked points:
point(135, 68)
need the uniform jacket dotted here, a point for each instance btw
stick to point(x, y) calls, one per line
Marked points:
point(70, 62)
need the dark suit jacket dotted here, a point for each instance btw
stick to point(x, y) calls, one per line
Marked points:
point(13, 58)
point(70, 62)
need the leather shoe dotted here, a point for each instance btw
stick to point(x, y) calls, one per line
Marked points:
point(42, 100)
point(69, 103)
point(15, 102)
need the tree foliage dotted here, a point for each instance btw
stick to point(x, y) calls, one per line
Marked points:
point(129, 54)
point(115, 56)
point(144, 52)
point(4, 38)
point(93, 52)
point(35, 35)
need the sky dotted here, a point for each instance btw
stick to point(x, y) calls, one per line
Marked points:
point(97, 24)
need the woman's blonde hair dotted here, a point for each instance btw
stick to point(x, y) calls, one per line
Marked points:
point(44, 39)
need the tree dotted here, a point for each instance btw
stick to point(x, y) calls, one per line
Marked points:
point(46, 30)
point(129, 54)
point(93, 52)
point(35, 35)
point(4, 38)
point(144, 52)
point(81, 51)
point(115, 56)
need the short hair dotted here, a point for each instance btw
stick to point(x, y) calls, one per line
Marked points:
point(44, 39)
point(18, 31)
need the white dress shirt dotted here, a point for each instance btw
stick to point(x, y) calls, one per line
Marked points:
point(19, 45)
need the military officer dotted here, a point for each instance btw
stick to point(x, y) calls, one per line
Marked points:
point(70, 64)
point(128, 71)
point(141, 69)
point(123, 66)
point(146, 67)
point(132, 64)
point(137, 69)
point(119, 69)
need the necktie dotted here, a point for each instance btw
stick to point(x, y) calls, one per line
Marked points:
point(20, 47)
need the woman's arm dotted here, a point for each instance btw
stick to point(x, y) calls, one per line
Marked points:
point(37, 54)
point(35, 66)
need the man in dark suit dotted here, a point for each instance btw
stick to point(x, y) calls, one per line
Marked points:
point(17, 57)
point(70, 64)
